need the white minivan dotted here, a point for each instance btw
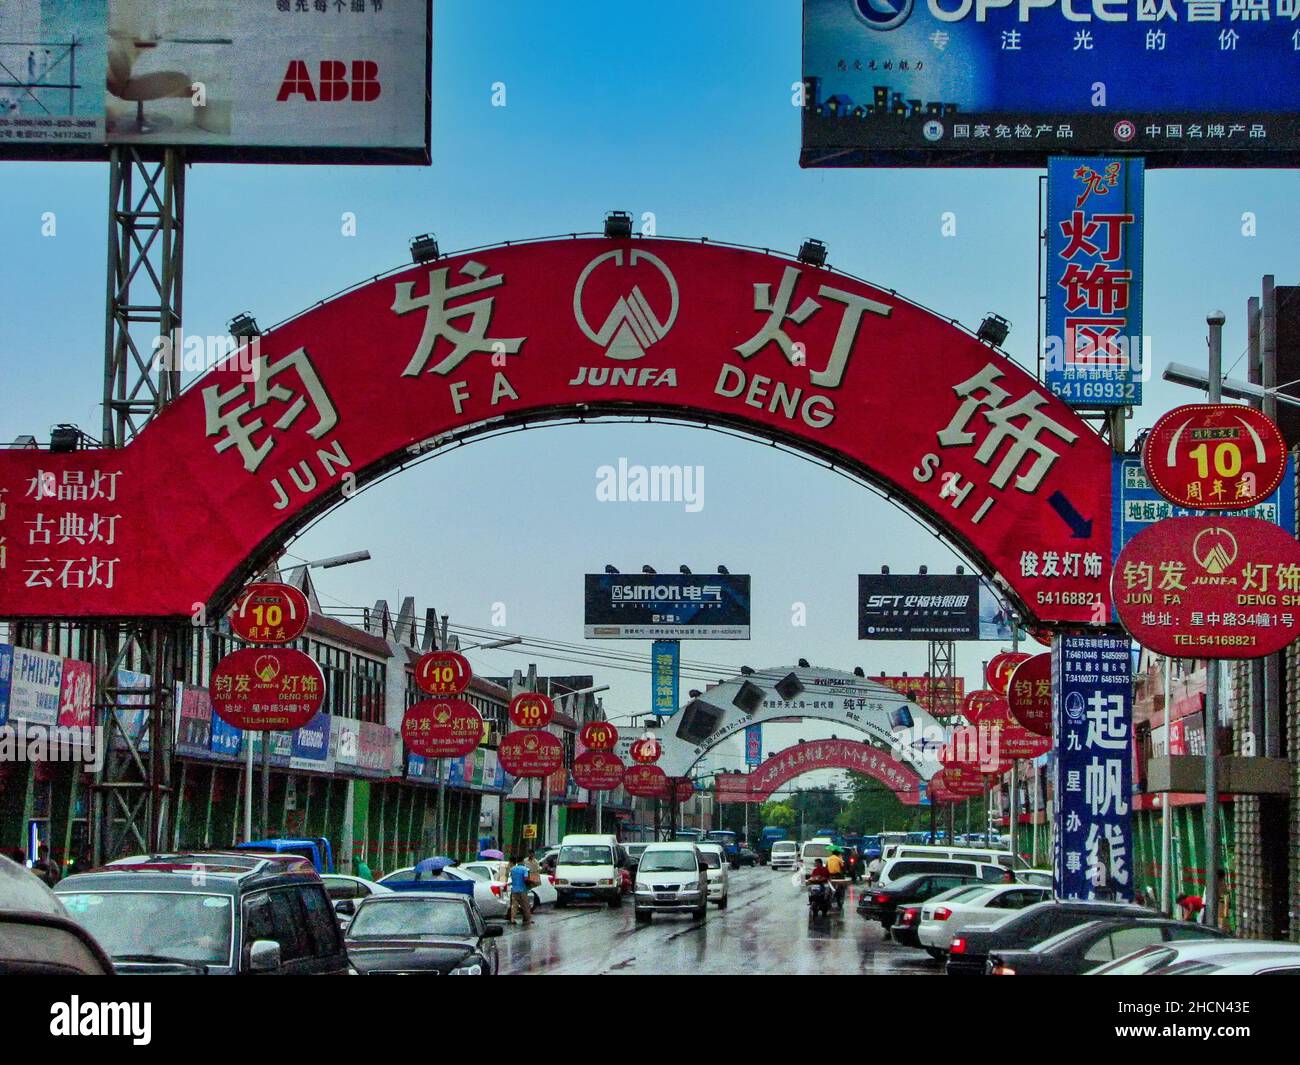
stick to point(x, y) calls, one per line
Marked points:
point(714, 857)
point(817, 847)
point(587, 867)
point(785, 855)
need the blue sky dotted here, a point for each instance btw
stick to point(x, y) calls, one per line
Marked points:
point(676, 108)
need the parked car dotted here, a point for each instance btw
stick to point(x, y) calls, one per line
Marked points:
point(898, 868)
point(1084, 947)
point(492, 899)
point(672, 878)
point(37, 935)
point(881, 904)
point(633, 852)
point(346, 891)
point(1207, 957)
point(969, 950)
point(977, 906)
point(543, 894)
point(745, 857)
point(894, 849)
point(1037, 877)
point(714, 856)
point(246, 913)
point(785, 855)
point(419, 932)
point(316, 849)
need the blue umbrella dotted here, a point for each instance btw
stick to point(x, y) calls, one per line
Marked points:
point(492, 855)
point(433, 866)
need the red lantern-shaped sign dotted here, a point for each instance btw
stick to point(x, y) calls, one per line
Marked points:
point(984, 705)
point(530, 753)
point(962, 781)
point(265, 689)
point(1016, 743)
point(269, 612)
point(646, 782)
point(1214, 456)
point(645, 751)
point(1030, 696)
point(683, 789)
point(997, 674)
point(442, 728)
point(442, 673)
point(531, 710)
point(598, 770)
point(598, 736)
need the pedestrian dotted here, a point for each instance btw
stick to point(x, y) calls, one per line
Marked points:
point(534, 872)
point(519, 892)
point(1191, 906)
point(46, 867)
point(363, 870)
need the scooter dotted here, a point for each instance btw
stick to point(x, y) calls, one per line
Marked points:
point(819, 900)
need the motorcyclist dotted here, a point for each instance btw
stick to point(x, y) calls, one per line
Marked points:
point(819, 879)
point(835, 869)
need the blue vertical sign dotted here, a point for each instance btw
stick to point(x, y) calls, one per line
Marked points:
point(665, 666)
point(1092, 719)
point(754, 745)
point(1093, 347)
point(6, 679)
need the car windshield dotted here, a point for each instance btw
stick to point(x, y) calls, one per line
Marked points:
point(156, 924)
point(968, 893)
point(816, 850)
point(784, 848)
point(385, 918)
point(635, 850)
point(710, 860)
point(668, 862)
point(590, 854)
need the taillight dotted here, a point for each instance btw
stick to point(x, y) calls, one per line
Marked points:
point(942, 913)
point(1003, 970)
point(909, 916)
point(882, 898)
point(496, 889)
point(958, 945)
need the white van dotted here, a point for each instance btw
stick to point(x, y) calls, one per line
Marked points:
point(817, 847)
point(714, 857)
point(587, 867)
point(920, 850)
point(785, 855)
point(897, 868)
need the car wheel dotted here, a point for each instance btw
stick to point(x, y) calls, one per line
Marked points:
point(616, 901)
point(643, 916)
point(722, 903)
point(533, 901)
point(561, 901)
point(935, 953)
point(702, 914)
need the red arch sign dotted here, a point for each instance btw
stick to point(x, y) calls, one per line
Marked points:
point(785, 766)
point(403, 364)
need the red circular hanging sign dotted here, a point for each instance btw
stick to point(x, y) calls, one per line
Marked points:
point(269, 612)
point(442, 672)
point(997, 674)
point(266, 689)
point(962, 781)
point(1029, 698)
point(598, 736)
point(530, 753)
point(598, 770)
point(646, 782)
point(442, 728)
point(683, 788)
point(1214, 456)
point(1210, 587)
point(984, 705)
point(645, 751)
point(531, 710)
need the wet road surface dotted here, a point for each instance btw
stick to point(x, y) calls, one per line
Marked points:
point(764, 929)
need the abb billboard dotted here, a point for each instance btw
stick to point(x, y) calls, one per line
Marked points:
point(404, 364)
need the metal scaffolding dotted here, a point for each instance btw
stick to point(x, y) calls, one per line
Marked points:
point(146, 212)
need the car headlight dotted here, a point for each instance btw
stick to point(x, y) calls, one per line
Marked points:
point(645, 891)
point(606, 883)
point(561, 883)
point(474, 969)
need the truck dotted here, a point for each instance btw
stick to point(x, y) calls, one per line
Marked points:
point(730, 845)
point(767, 837)
point(315, 849)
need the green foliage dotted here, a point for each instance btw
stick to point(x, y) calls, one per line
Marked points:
point(776, 814)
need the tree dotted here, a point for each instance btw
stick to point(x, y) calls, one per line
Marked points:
point(776, 814)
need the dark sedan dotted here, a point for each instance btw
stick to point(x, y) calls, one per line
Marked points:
point(881, 904)
point(409, 933)
point(971, 948)
point(1076, 950)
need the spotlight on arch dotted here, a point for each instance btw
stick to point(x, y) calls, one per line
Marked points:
point(611, 569)
point(812, 252)
point(684, 569)
point(803, 664)
point(857, 672)
point(244, 326)
point(618, 225)
point(723, 570)
point(424, 248)
point(746, 671)
point(647, 569)
point(993, 330)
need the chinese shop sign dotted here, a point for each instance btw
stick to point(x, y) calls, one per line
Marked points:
point(270, 612)
point(442, 673)
point(531, 710)
point(1092, 845)
point(997, 674)
point(1210, 588)
point(665, 669)
point(530, 753)
point(1215, 456)
point(598, 770)
point(262, 689)
point(364, 382)
point(646, 782)
point(1093, 350)
point(1029, 698)
point(598, 736)
point(442, 728)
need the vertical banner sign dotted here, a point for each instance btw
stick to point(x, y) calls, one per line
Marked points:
point(1093, 347)
point(1092, 710)
point(665, 666)
point(754, 745)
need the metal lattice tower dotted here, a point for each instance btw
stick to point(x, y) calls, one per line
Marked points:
point(943, 678)
point(146, 212)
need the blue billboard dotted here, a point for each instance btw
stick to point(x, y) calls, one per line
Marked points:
point(1092, 720)
point(226, 739)
point(1010, 82)
point(6, 679)
point(1092, 354)
point(665, 672)
point(754, 745)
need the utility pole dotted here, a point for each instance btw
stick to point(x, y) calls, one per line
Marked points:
point(1214, 320)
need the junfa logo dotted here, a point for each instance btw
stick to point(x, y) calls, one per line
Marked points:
point(882, 14)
